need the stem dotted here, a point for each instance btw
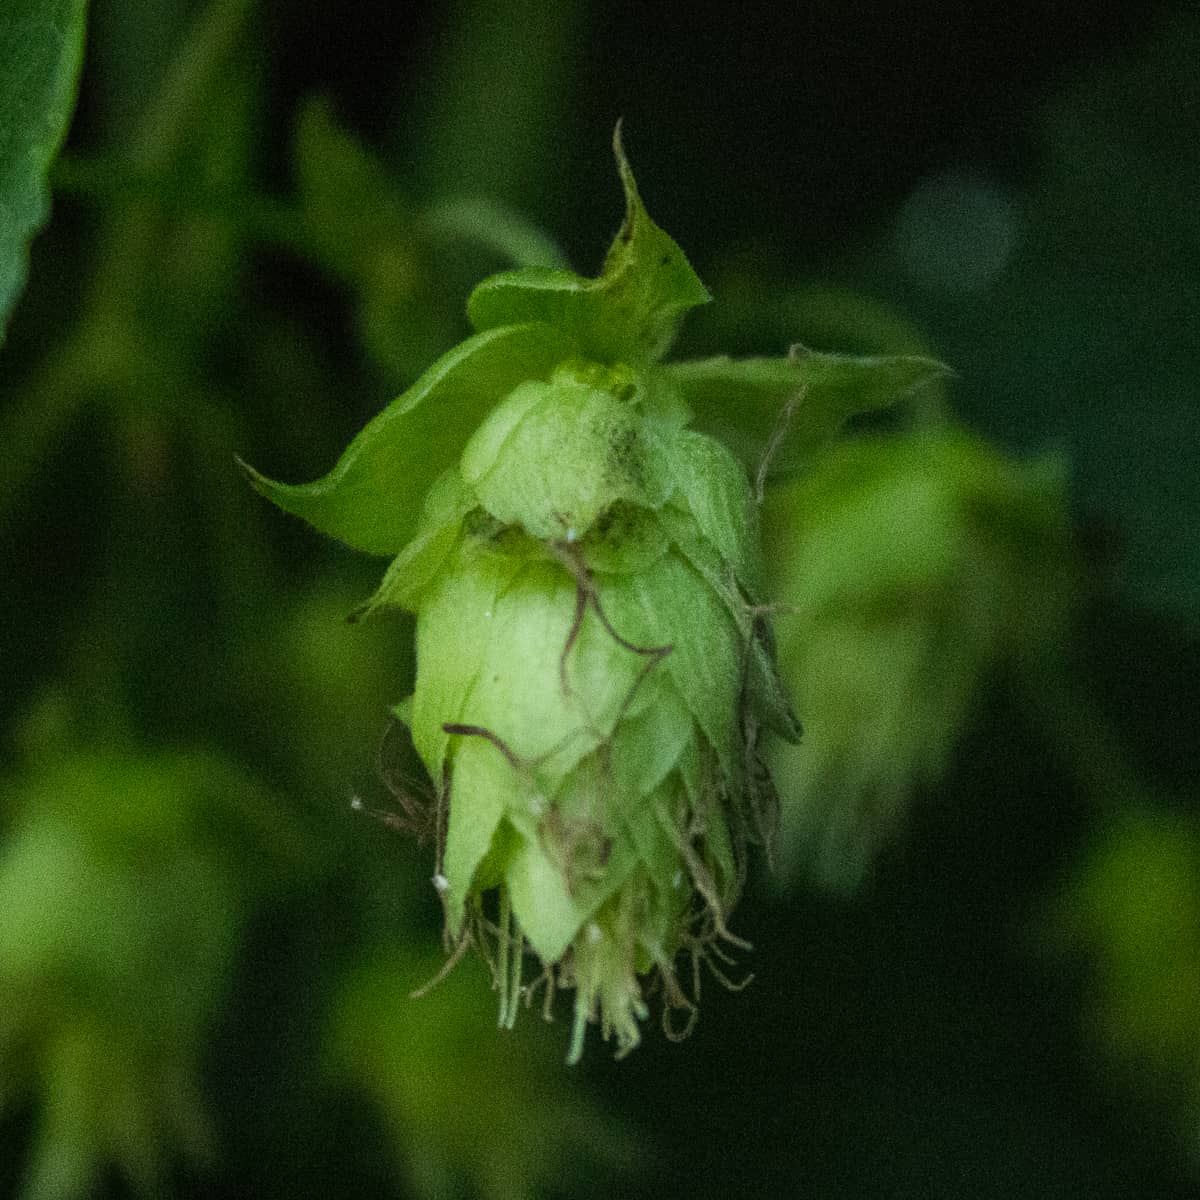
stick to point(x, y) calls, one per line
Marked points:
point(502, 955)
point(517, 965)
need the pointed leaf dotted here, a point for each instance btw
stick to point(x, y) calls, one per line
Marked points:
point(485, 787)
point(650, 745)
point(551, 913)
point(765, 692)
point(743, 401)
point(372, 498)
point(629, 314)
point(41, 47)
point(453, 635)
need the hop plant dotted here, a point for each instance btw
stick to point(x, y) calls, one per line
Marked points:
point(594, 661)
point(911, 566)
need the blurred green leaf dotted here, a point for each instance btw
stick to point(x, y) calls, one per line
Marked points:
point(491, 225)
point(41, 47)
point(407, 265)
point(120, 915)
point(351, 206)
point(357, 225)
point(493, 110)
point(1131, 907)
point(907, 567)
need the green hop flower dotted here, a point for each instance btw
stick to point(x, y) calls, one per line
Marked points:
point(909, 566)
point(579, 687)
point(594, 667)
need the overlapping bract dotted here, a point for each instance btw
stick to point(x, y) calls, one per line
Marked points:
point(579, 685)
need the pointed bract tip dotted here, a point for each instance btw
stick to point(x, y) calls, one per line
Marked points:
point(256, 479)
point(633, 199)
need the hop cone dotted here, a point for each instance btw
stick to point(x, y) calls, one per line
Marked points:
point(593, 664)
point(912, 565)
point(579, 686)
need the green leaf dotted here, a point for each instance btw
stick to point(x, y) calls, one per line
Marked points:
point(743, 402)
point(453, 637)
point(551, 908)
point(41, 48)
point(492, 226)
point(373, 496)
point(485, 787)
point(765, 691)
point(629, 314)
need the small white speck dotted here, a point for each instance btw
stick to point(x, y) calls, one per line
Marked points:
point(441, 883)
point(487, 612)
point(571, 536)
point(677, 882)
point(594, 933)
point(537, 805)
point(356, 803)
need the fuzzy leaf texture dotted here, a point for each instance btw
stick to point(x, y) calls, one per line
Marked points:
point(41, 48)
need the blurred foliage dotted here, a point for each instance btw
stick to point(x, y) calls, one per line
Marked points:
point(268, 221)
point(521, 1130)
point(1132, 908)
point(124, 883)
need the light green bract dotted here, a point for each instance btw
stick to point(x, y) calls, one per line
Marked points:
point(594, 665)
